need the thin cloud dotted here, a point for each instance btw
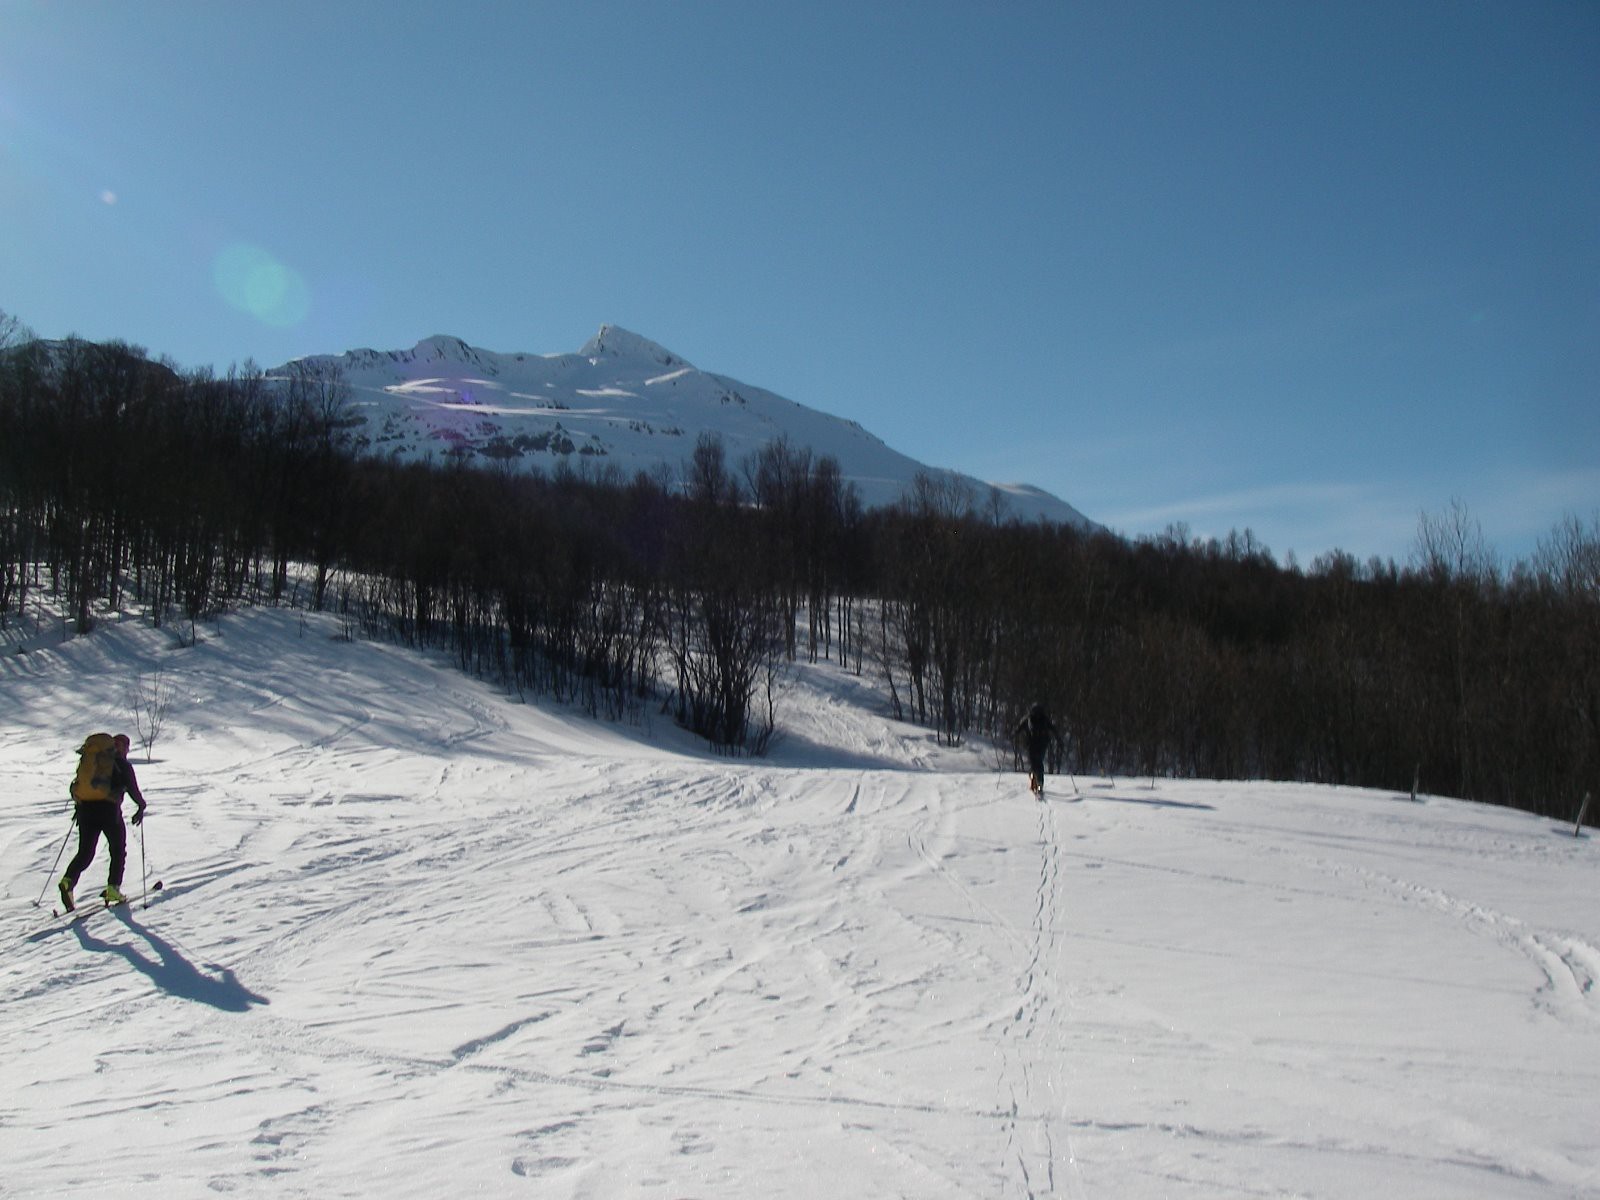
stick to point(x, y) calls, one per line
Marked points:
point(1367, 519)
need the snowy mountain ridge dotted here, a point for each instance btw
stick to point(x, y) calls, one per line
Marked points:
point(620, 401)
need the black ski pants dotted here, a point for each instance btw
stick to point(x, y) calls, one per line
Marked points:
point(96, 817)
point(1036, 753)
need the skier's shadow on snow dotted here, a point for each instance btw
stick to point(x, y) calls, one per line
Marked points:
point(1151, 801)
point(171, 971)
point(797, 750)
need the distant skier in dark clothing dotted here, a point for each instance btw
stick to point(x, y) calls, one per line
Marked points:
point(104, 817)
point(1036, 731)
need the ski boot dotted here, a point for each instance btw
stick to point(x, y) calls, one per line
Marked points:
point(65, 886)
point(113, 895)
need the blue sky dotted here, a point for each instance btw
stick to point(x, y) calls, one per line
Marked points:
point(1306, 268)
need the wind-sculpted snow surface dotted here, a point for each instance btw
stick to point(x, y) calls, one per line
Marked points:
point(417, 939)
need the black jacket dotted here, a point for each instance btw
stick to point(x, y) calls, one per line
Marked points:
point(124, 782)
point(1038, 729)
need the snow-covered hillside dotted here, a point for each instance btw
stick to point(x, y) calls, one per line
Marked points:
point(621, 401)
point(419, 940)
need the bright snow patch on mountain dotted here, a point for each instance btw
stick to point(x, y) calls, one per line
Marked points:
point(420, 940)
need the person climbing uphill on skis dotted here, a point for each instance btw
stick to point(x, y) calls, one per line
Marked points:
point(1036, 731)
point(104, 777)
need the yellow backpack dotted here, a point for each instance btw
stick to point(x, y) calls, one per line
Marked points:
point(93, 781)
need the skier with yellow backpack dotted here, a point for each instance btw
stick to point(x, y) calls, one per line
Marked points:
point(104, 776)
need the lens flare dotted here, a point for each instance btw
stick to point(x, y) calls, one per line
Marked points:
point(253, 281)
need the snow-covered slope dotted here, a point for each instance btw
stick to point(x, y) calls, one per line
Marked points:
point(620, 401)
point(419, 940)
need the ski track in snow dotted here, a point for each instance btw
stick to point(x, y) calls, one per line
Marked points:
point(417, 939)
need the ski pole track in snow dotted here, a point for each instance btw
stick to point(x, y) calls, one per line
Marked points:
point(1033, 1092)
point(311, 1038)
point(1569, 965)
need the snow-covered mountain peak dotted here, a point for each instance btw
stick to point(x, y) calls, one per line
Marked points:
point(613, 341)
point(444, 348)
point(621, 402)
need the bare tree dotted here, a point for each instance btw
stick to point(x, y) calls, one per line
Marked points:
point(1569, 559)
point(150, 696)
point(1451, 546)
point(12, 331)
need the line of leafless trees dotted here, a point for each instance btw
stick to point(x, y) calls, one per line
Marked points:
point(125, 480)
point(1175, 656)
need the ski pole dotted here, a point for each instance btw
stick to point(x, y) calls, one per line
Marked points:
point(57, 863)
point(144, 871)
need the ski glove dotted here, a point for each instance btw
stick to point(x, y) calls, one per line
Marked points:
point(138, 817)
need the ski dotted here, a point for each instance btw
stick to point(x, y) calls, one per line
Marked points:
point(79, 911)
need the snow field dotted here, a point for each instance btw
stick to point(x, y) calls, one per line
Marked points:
point(419, 939)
